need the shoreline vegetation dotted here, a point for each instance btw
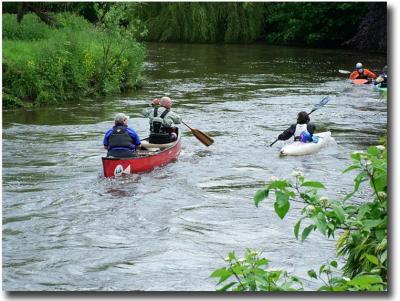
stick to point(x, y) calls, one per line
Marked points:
point(55, 52)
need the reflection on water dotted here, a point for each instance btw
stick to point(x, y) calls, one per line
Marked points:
point(65, 227)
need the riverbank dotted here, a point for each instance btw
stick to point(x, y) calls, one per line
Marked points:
point(44, 65)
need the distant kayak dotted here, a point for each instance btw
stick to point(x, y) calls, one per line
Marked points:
point(299, 148)
point(360, 81)
point(379, 88)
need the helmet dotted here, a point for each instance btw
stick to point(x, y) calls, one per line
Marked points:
point(359, 66)
point(166, 102)
point(305, 137)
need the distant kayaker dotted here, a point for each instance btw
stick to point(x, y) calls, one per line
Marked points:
point(121, 141)
point(362, 73)
point(161, 121)
point(302, 130)
point(382, 78)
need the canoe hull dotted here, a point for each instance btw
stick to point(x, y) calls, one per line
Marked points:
point(115, 167)
point(298, 148)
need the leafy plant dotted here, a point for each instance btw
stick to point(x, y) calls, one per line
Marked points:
point(361, 227)
point(251, 273)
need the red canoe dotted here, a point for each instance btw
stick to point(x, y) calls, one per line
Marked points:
point(146, 160)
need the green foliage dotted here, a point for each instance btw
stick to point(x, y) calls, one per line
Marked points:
point(314, 24)
point(251, 273)
point(66, 63)
point(30, 29)
point(362, 227)
point(329, 276)
point(202, 22)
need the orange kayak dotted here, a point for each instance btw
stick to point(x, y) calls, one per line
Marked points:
point(359, 81)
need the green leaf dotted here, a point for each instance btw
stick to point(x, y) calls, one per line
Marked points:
point(296, 229)
point(351, 168)
point(282, 204)
point(340, 213)
point(334, 263)
point(278, 184)
point(312, 274)
point(222, 273)
point(226, 287)
point(372, 258)
point(306, 232)
point(365, 280)
point(260, 196)
point(313, 184)
point(371, 223)
point(373, 150)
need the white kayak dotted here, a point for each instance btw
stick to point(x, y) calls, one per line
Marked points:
point(299, 148)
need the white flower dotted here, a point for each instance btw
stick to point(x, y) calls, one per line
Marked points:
point(227, 258)
point(324, 200)
point(382, 195)
point(380, 147)
point(297, 173)
point(310, 209)
point(273, 178)
point(254, 253)
point(368, 162)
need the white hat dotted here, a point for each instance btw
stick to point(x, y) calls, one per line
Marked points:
point(358, 66)
point(120, 117)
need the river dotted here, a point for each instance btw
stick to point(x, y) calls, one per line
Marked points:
point(65, 227)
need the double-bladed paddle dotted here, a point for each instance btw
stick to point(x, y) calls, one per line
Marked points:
point(323, 102)
point(203, 138)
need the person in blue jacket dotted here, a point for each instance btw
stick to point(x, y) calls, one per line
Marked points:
point(302, 130)
point(121, 141)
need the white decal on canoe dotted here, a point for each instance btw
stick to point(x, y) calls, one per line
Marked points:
point(127, 170)
point(118, 170)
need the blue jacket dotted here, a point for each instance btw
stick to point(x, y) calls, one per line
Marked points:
point(132, 134)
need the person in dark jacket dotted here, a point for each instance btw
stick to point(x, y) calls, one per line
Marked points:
point(303, 125)
point(121, 141)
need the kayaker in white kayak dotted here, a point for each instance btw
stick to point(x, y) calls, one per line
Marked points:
point(303, 130)
point(162, 120)
point(121, 141)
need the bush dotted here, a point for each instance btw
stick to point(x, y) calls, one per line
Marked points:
point(67, 63)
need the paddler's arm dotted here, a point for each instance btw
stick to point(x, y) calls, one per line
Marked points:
point(370, 73)
point(288, 133)
point(353, 75)
point(106, 137)
point(135, 138)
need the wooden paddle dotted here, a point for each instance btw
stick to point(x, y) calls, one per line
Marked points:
point(323, 102)
point(206, 140)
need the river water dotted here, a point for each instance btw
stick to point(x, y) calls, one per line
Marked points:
point(65, 227)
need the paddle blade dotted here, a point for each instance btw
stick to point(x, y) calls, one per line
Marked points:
point(344, 72)
point(203, 138)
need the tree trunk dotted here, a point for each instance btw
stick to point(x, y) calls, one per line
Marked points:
point(372, 33)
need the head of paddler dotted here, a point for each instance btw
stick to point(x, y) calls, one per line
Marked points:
point(155, 102)
point(166, 102)
point(121, 119)
point(359, 68)
point(302, 117)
